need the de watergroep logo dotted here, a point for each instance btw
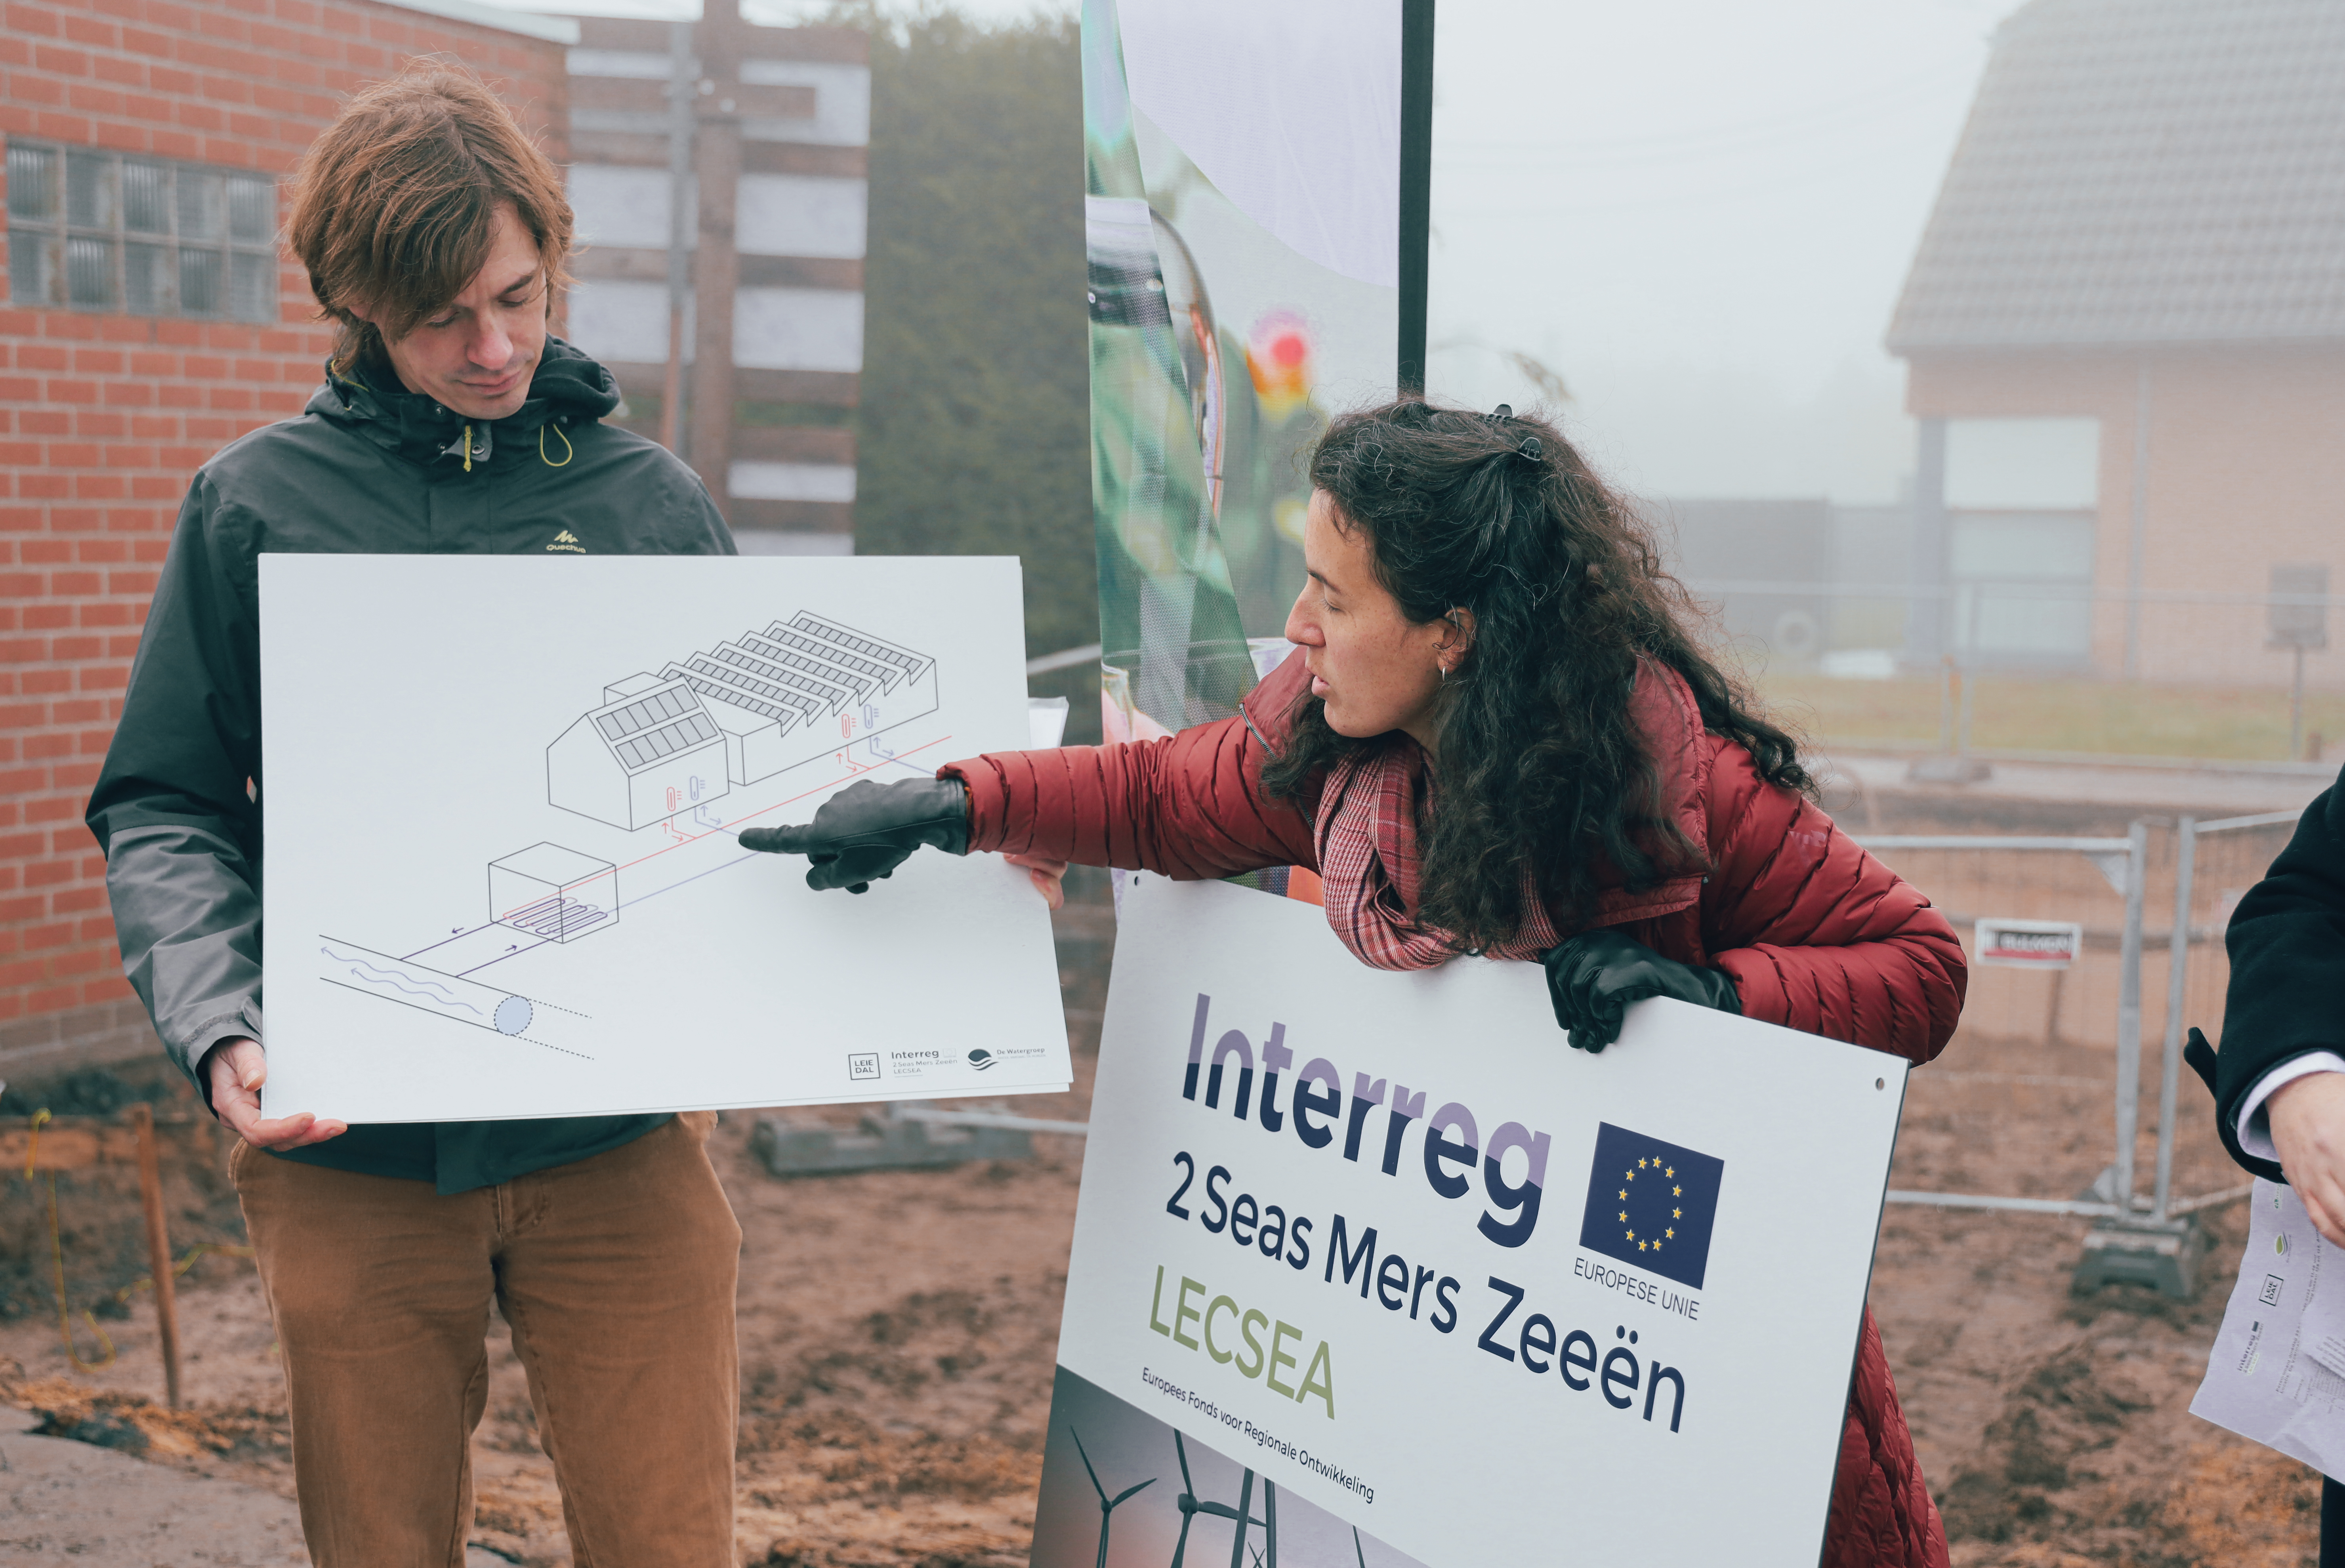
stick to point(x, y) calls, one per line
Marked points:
point(1650, 1204)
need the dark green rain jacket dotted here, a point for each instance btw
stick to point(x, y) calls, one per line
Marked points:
point(361, 471)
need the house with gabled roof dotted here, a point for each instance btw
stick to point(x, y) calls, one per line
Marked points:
point(2124, 335)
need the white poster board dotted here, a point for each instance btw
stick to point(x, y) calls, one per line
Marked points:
point(1630, 1328)
point(501, 796)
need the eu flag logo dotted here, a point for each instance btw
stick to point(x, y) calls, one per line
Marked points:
point(1650, 1204)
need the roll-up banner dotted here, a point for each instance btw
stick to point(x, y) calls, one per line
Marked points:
point(1253, 265)
point(1370, 1267)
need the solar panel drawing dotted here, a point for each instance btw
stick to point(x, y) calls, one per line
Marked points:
point(553, 894)
point(798, 692)
point(639, 759)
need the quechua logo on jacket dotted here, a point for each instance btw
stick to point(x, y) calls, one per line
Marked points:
point(568, 541)
point(1650, 1204)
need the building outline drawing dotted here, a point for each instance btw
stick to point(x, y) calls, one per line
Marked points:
point(660, 745)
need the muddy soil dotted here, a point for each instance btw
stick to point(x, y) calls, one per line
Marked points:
point(897, 1334)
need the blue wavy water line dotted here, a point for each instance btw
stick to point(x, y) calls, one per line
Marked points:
point(392, 978)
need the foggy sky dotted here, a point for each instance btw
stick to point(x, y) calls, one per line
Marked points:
point(1697, 212)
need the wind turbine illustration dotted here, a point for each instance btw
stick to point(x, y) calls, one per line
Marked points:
point(1107, 1508)
point(1190, 1508)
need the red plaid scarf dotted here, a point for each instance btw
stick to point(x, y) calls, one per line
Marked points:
point(1366, 834)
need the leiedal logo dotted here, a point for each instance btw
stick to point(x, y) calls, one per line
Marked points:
point(1650, 1204)
point(861, 1065)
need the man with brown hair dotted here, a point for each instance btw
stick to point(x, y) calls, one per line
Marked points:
point(449, 422)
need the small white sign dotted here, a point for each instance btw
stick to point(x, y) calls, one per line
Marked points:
point(2026, 944)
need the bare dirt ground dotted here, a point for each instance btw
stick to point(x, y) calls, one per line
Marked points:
point(897, 1330)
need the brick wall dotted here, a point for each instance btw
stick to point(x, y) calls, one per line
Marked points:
point(104, 416)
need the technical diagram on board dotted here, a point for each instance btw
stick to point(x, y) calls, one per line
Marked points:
point(748, 709)
point(505, 802)
point(657, 750)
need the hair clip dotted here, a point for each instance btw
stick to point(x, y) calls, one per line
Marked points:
point(1503, 411)
point(1530, 448)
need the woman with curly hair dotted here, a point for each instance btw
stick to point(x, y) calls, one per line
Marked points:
point(1498, 736)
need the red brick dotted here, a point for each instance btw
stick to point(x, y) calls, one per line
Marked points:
point(62, 128)
point(97, 100)
point(27, 88)
point(109, 989)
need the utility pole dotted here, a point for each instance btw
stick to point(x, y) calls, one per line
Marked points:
point(717, 268)
point(682, 78)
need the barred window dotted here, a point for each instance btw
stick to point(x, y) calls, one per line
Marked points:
point(95, 231)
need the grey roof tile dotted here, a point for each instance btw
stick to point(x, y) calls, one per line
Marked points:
point(2143, 171)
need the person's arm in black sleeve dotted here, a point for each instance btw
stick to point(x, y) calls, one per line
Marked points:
point(180, 833)
point(2287, 1003)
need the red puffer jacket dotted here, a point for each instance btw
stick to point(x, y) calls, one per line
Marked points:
point(1818, 936)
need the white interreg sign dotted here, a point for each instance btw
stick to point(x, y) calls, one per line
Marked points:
point(1319, 1294)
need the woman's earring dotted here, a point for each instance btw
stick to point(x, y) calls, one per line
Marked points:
point(1444, 670)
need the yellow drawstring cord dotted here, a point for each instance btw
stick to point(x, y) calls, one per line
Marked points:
point(566, 447)
point(468, 448)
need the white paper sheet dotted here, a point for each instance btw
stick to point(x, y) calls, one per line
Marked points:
point(2266, 1379)
point(501, 796)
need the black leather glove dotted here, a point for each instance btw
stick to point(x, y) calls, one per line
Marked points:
point(867, 830)
point(1593, 977)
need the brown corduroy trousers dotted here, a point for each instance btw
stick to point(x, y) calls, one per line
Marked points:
point(616, 1273)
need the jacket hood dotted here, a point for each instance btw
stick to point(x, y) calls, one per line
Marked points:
point(570, 388)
